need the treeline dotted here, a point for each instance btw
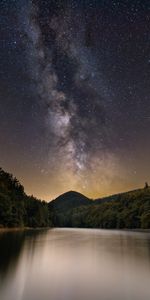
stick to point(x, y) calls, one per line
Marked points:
point(125, 211)
point(17, 209)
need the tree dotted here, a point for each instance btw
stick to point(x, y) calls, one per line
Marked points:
point(146, 185)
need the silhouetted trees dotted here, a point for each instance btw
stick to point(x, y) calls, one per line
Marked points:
point(129, 210)
point(17, 209)
point(146, 185)
point(125, 211)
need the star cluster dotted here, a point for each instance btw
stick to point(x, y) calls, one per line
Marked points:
point(75, 79)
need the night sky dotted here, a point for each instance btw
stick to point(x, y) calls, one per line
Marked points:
point(75, 95)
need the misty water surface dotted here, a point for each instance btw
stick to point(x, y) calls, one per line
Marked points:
point(71, 264)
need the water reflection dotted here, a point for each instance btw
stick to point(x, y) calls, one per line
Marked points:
point(10, 249)
point(71, 264)
point(11, 246)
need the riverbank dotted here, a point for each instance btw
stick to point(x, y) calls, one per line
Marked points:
point(12, 229)
point(3, 229)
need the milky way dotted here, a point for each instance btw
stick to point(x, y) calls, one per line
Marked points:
point(86, 66)
point(69, 82)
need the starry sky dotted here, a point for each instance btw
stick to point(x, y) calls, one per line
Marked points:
point(75, 95)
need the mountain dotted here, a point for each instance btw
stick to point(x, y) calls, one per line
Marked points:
point(128, 210)
point(69, 201)
point(60, 209)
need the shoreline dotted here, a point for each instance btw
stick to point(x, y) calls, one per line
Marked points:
point(11, 229)
point(6, 229)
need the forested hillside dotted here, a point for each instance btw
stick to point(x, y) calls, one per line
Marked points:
point(64, 204)
point(16, 208)
point(128, 210)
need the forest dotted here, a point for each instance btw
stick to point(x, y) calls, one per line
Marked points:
point(17, 209)
point(126, 211)
point(129, 210)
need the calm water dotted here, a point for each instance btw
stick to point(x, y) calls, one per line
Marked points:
point(71, 264)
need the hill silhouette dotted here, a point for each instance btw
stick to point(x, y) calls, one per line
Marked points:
point(63, 205)
point(69, 200)
point(127, 210)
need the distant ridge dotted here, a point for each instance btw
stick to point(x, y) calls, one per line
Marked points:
point(117, 196)
point(129, 210)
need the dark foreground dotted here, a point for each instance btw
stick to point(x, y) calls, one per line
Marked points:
point(129, 210)
point(74, 264)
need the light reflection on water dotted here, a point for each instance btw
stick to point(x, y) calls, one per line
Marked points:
point(71, 264)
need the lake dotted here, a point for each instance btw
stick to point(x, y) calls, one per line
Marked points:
point(74, 264)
